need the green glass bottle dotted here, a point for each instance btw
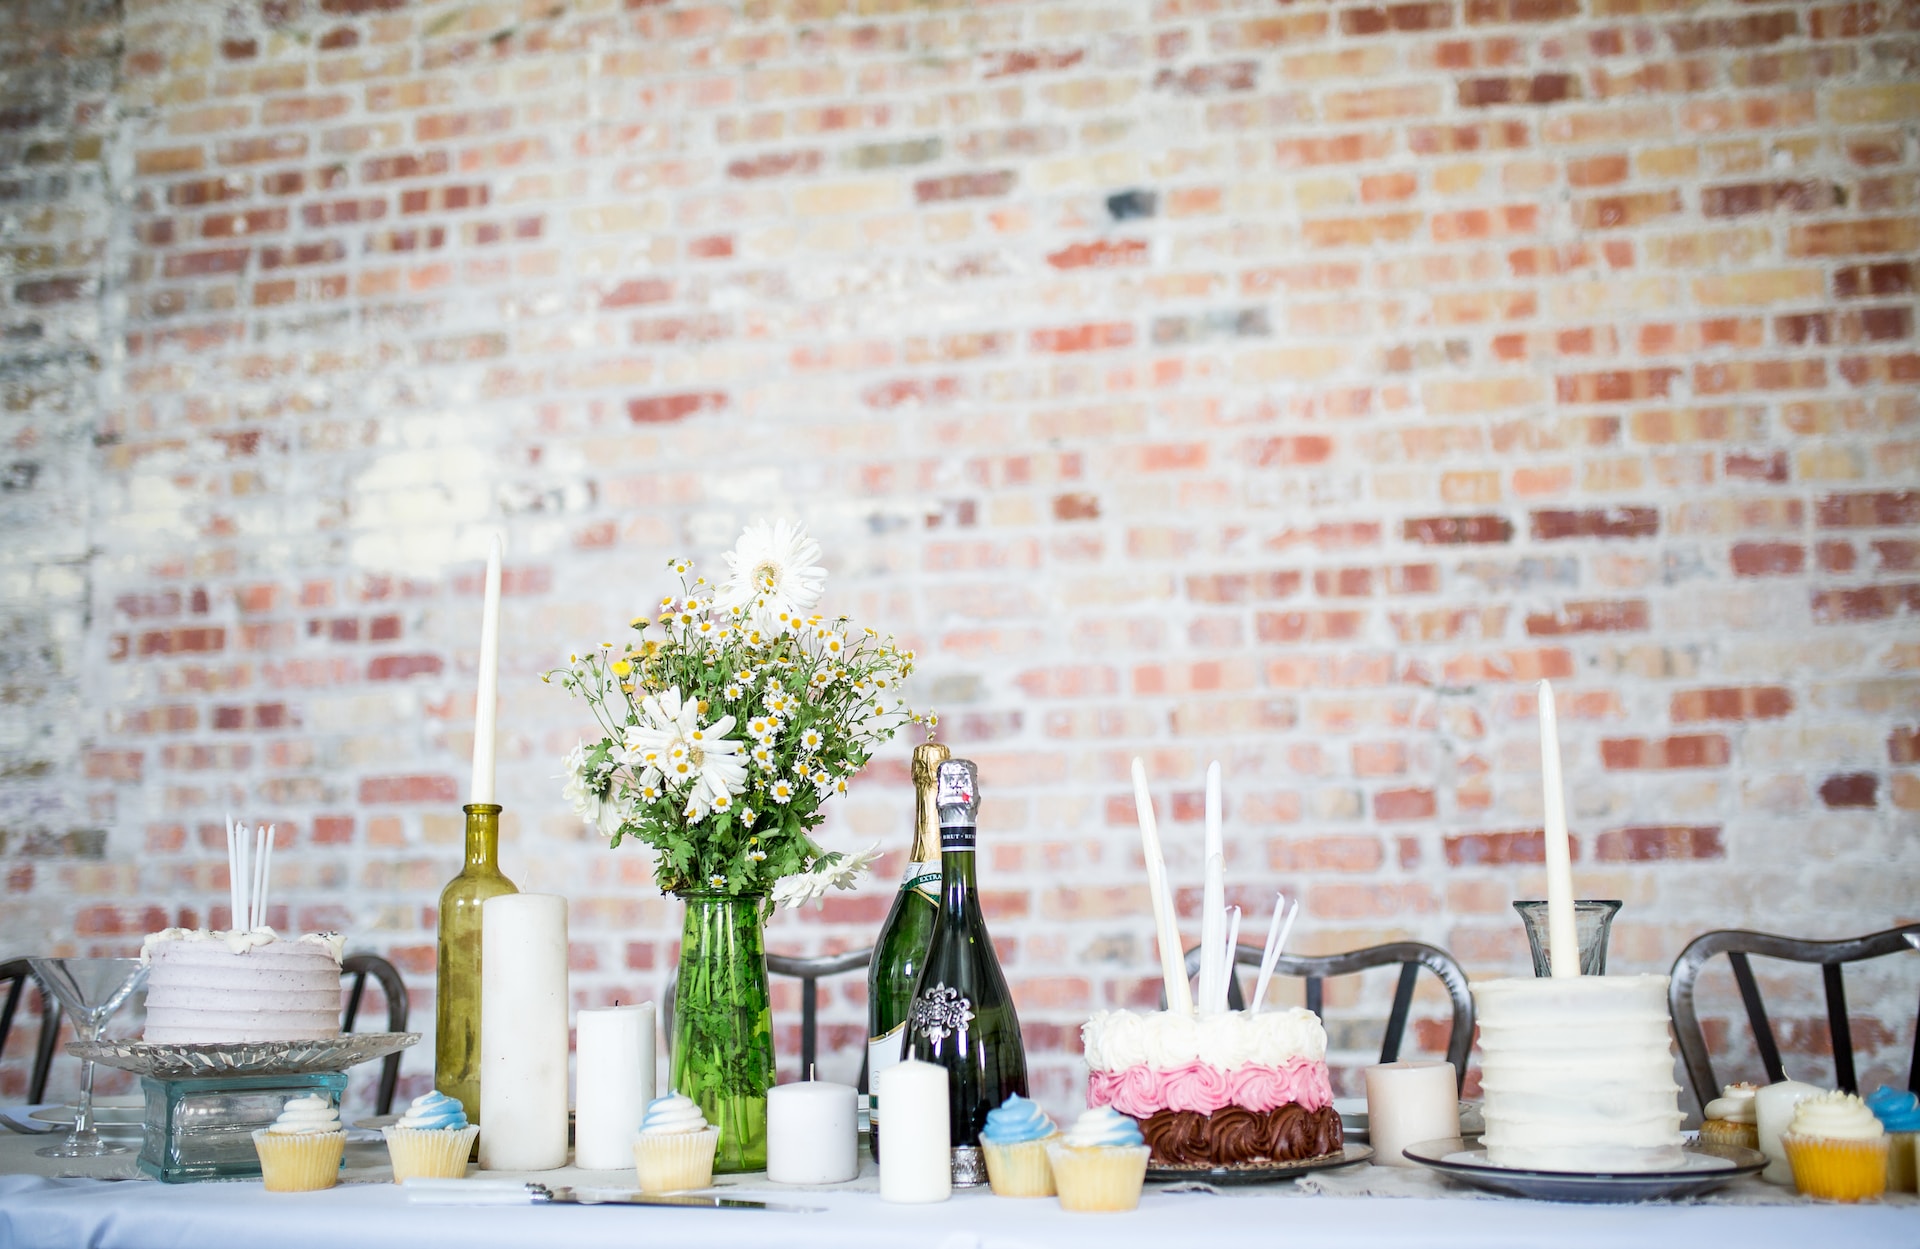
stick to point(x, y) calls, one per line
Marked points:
point(902, 947)
point(456, 1060)
point(963, 1017)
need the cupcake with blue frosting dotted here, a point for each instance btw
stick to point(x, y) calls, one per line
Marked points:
point(1100, 1164)
point(1899, 1113)
point(433, 1140)
point(1014, 1141)
point(673, 1149)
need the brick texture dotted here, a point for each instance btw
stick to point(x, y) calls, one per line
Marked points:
point(1290, 385)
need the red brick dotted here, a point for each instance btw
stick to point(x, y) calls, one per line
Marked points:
point(1698, 750)
point(1457, 530)
point(1880, 509)
point(1499, 849)
point(1903, 744)
point(775, 165)
point(1222, 78)
point(1881, 602)
point(1029, 61)
point(1624, 616)
point(664, 409)
point(1659, 843)
point(1616, 522)
point(1503, 12)
point(1536, 89)
point(383, 789)
point(1404, 804)
point(1768, 559)
point(1076, 507)
point(1850, 789)
point(963, 186)
point(1077, 338)
point(1100, 254)
point(402, 667)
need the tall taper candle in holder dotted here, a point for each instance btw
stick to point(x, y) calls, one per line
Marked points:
point(456, 1067)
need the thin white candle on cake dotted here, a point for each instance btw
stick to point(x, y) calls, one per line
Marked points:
point(1173, 968)
point(1563, 944)
point(1213, 904)
point(1277, 933)
point(485, 703)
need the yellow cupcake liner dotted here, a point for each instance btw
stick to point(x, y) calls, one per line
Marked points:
point(1725, 1132)
point(1020, 1169)
point(299, 1162)
point(1105, 1178)
point(674, 1161)
point(430, 1153)
point(1903, 1162)
point(1832, 1169)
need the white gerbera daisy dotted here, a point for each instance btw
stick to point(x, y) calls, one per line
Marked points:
point(776, 570)
point(843, 872)
point(671, 738)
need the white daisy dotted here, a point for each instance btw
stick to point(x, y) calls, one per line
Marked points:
point(842, 873)
point(775, 569)
point(671, 738)
point(583, 793)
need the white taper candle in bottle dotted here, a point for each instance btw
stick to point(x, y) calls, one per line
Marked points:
point(614, 1072)
point(916, 1150)
point(1563, 943)
point(523, 1032)
point(485, 707)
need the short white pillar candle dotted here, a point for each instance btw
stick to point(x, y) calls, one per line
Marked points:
point(916, 1152)
point(1407, 1103)
point(813, 1135)
point(614, 1082)
point(1773, 1115)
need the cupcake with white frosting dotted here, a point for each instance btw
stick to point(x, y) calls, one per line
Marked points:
point(1732, 1118)
point(1837, 1148)
point(673, 1150)
point(1100, 1164)
point(301, 1151)
point(433, 1140)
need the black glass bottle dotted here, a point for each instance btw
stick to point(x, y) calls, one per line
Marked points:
point(963, 1017)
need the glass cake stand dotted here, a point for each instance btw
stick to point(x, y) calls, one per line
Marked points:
point(203, 1102)
point(1702, 1169)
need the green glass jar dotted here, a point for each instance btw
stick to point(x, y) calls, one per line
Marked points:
point(456, 1061)
point(723, 1024)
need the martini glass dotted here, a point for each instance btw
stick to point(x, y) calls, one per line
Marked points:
point(91, 990)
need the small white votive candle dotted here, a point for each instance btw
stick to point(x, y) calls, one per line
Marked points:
point(1773, 1115)
point(813, 1135)
point(614, 1066)
point(1408, 1103)
point(916, 1150)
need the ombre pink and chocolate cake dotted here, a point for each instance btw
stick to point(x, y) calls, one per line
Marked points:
point(1226, 1089)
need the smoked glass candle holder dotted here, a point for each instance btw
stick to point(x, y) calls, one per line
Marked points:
point(1592, 920)
point(203, 1129)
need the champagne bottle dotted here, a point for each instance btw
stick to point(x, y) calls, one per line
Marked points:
point(962, 1017)
point(902, 947)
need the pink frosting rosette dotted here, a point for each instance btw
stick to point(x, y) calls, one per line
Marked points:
point(1142, 1091)
point(1196, 1087)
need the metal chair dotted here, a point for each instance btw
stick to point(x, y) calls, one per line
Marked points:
point(809, 972)
point(1737, 945)
point(1411, 957)
point(359, 967)
point(16, 974)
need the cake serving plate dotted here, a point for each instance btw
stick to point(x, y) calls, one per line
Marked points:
point(1702, 1169)
point(261, 1058)
point(1267, 1174)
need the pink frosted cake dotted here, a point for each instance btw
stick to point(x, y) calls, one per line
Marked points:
point(241, 986)
point(1231, 1089)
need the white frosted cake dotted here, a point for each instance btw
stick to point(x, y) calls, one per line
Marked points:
point(1577, 1074)
point(241, 986)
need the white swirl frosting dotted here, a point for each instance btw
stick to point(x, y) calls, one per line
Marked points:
point(671, 1115)
point(1835, 1117)
point(1119, 1039)
point(1735, 1104)
point(306, 1115)
point(240, 942)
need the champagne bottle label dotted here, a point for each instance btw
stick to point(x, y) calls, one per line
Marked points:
point(923, 878)
point(882, 1053)
point(940, 1012)
point(954, 838)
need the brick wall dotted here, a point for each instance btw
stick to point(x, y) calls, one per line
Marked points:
point(1287, 383)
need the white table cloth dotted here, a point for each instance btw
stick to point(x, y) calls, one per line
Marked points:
point(365, 1213)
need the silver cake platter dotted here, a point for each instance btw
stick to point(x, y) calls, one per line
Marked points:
point(1702, 1169)
point(1256, 1172)
point(254, 1058)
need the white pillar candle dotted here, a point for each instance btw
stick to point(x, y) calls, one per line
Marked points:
point(1773, 1114)
point(614, 1078)
point(916, 1151)
point(1408, 1103)
point(523, 1032)
point(813, 1135)
point(1563, 945)
point(484, 707)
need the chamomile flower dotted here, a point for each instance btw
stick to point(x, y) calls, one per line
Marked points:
point(782, 792)
point(732, 692)
point(811, 739)
point(718, 880)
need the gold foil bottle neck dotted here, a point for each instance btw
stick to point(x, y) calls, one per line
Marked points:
point(927, 758)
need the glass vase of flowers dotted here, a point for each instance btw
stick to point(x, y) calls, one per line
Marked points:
point(727, 721)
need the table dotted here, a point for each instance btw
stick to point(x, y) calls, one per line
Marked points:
point(1348, 1213)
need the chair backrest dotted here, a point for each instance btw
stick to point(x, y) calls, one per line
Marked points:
point(1411, 957)
point(1738, 944)
point(809, 972)
point(357, 967)
point(16, 974)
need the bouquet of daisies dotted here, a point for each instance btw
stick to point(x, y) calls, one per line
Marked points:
point(730, 719)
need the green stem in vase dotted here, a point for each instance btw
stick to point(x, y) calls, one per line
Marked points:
point(723, 1025)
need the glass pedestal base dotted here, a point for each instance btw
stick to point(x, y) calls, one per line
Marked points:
point(202, 1129)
